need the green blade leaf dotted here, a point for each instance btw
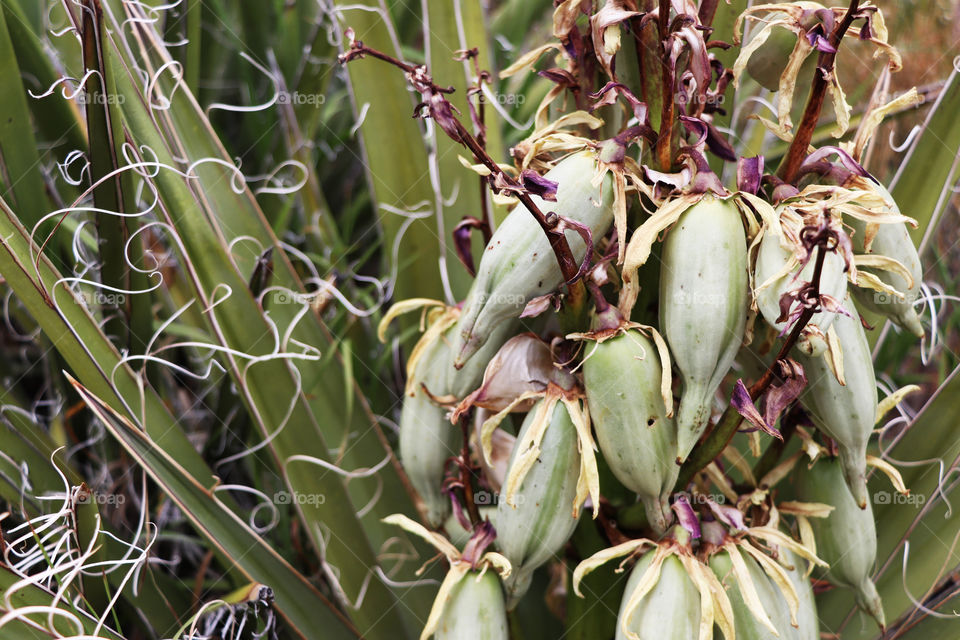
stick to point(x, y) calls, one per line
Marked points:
point(304, 608)
point(922, 184)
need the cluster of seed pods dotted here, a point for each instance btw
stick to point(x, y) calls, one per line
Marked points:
point(643, 397)
point(639, 398)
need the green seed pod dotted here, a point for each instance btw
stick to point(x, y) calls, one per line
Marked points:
point(427, 439)
point(748, 626)
point(475, 610)
point(809, 623)
point(670, 610)
point(892, 241)
point(772, 282)
point(622, 376)
point(460, 536)
point(847, 538)
point(536, 529)
point(519, 264)
point(703, 306)
point(845, 412)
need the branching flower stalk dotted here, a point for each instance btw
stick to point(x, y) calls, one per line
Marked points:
point(826, 65)
point(442, 112)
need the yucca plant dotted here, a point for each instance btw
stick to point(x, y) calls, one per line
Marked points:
point(639, 280)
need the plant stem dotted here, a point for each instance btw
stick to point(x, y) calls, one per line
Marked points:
point(772, 455)
point(708, 9)
point(466, 476)
point(730, 421)
point(826, 65)
point(558, 240)
point(664, 150)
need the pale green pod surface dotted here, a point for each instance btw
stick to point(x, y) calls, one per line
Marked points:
point(847, 412)
point(427, 440)
point(670, 610)
point(519, 264)
point(536, 530)
point(475, 610)
point(893, 241)
point(771, 259)
point(703, 306)
point(774, 604)
point(460, 536)
point(460, 382)
point(809, 623)
point(847, 538)
point(622, 378)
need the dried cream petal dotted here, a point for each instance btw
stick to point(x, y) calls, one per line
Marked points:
point(647, 582)
point(747, 589)
point(529, 59)
point(891, 472)
point(443, 545)
point(604, 556)
point(894, 399)
point(589, 481)
point(641, 242)
point(456, 573)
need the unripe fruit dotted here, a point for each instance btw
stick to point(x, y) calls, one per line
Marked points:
point(475, 610)
point(703, 306)
point(670, 610)
point(847, 538)
point(808, 623)
point(775, 606)
point(845, 412)
point(622, 377)
point(427, 439)
point(892, 241)
point(519, 264)
point(536, 530)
